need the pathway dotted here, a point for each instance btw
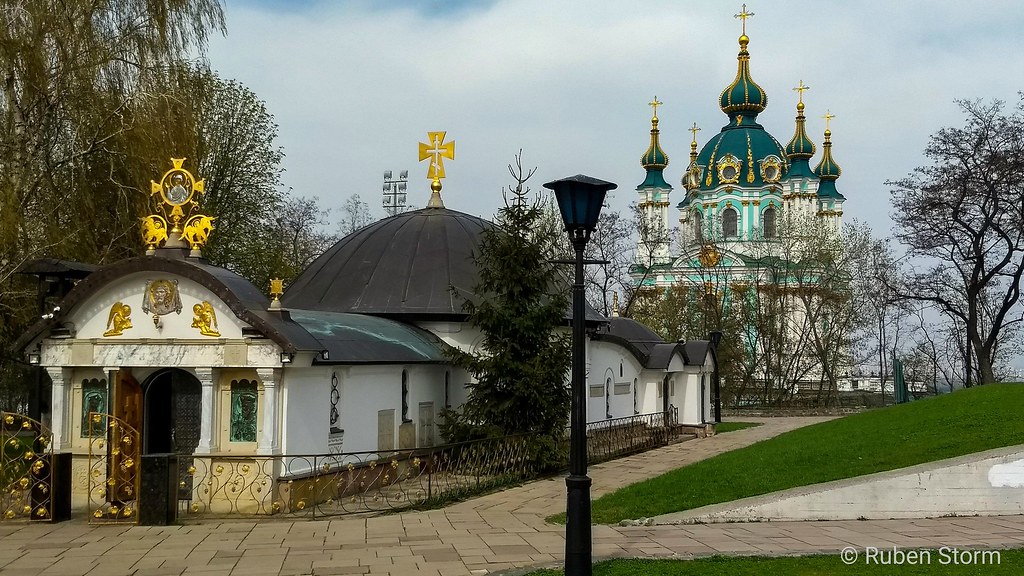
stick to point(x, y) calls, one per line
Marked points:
point(496, 532)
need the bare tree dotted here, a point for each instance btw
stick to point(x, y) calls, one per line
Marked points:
point(962, 221)
point(354, 215)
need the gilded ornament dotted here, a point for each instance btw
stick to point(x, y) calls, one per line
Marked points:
point(276, 289)
point(205, 318)
point(750, 162)
point(436, 150)
point(176, 198)
point(729, 169)
point(709, 257)
point(197, 230)
point(119, 319)
point(154, 231)
point(161, 297)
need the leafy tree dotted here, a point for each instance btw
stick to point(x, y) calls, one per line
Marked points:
point(961, 219)
point(523, 358)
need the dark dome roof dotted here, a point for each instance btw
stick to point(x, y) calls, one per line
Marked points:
point(404, 265)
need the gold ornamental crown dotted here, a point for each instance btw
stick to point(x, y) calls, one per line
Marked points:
point(179, 221)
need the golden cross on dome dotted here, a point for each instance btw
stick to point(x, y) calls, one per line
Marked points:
point(828, 116)
point(694, 129)
point(437, 150)
point(654, 104)
point(743, 15)
point(801, 89)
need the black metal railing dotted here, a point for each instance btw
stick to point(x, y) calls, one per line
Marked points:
point(322, 485)
point(617, 437)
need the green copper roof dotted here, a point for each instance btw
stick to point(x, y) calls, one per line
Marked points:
point(744, 142)
point(743, 95)
point(654, 161)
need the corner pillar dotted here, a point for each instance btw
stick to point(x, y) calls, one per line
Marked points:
point(207, 428)
point(269, 443)
point(60, 408)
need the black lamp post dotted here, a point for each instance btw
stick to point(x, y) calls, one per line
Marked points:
point(580, 199)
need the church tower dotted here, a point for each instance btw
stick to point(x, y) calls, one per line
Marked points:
point(830, 201)
point(800, 190)
point(653, 244)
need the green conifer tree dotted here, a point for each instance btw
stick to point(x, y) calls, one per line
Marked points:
point(523, 358)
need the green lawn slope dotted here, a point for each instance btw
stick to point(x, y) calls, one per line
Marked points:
point(963, 422)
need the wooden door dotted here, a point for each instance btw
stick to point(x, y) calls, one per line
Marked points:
point(128, 399)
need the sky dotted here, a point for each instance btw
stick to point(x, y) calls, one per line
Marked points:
point(355, 86)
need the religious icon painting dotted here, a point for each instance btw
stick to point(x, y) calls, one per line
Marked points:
point(161, 297)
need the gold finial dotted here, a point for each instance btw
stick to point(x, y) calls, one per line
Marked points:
point(800, 90)
point(743, 15)
point(437, 150)
point(694, 129)
point(276, 291)
point(615, 299)
point(654, 104)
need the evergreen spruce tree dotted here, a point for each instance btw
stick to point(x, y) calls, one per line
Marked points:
point(523, 359)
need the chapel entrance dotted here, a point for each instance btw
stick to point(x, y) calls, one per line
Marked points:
point(171, 421)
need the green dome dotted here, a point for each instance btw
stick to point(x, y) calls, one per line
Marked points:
point(743, 95)
point(800, 148)
point(828, 170)
point(746, 144)
point(654, 161)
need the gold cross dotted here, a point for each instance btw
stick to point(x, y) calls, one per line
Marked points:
point(801, 89)
point(828, 116)
point(743, 15)
point(436, 150)
point(654, 104)
point(694, 129)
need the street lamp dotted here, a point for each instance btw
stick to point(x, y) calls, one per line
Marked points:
point(580, 199)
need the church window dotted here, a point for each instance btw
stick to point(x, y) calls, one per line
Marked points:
point(405, 397)
point(698, 226)
point(730, 222)
point(620, 369)
point(94, 399)
point(608, 399)
point(636, 400)
point(243, 411)
point(447, 389)
point(768, 223)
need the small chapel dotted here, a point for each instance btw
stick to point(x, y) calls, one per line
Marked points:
point(350, 357)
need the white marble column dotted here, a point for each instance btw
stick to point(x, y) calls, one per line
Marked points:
point(60, 409)
point(207, 422)
point(268, 441)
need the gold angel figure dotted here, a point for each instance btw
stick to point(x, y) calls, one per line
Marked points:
point(119, 319)
point(154, 231)
point(205, 319)
point(197, 230)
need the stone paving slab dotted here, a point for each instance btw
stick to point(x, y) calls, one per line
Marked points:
point(493, 533)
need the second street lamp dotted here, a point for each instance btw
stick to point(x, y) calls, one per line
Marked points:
point(580, 199)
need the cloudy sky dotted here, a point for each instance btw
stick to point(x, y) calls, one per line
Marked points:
point(355, 85)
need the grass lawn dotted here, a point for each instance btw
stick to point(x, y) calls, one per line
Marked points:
point(1009, 562)
point(723, 427)
point(950, 425)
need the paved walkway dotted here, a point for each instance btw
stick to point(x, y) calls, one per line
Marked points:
point(492, 533)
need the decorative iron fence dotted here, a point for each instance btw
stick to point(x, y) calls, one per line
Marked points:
point(334, 484)
point(608, 439)
point(113, 473)
point(25, 468)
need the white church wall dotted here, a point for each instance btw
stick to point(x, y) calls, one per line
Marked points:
point(306, 409)
point(649, 386)
point(612, 370)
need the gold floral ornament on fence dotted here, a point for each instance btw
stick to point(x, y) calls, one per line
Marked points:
point(179, 222)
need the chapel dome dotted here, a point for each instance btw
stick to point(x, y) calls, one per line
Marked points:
point(749, 148)
point(402, 265)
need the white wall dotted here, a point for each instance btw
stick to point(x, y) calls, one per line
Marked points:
point(609, 361)
point(986, 484)
point(306, 409)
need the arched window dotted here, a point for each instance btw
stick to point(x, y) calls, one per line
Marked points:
point(729, 222)
point(447, 389)
point(698, 226)
point(636, 403)
point(608, 398)
point(405, 397)
point(768, 222)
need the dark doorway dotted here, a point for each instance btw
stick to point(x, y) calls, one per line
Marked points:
point(173, 409)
